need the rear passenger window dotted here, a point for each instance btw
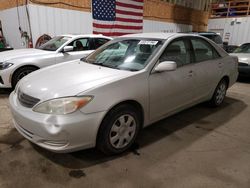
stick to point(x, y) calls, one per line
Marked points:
point(178, 52)
point(203, 51)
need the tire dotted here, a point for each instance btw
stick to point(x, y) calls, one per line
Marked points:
point(118, 130)
point(219, 94)
point(20, 73)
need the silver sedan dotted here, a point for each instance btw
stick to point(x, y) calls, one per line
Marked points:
point(105, 99)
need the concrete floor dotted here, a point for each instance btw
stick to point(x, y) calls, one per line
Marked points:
point(200, 147)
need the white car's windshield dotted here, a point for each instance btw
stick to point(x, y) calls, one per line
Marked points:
point(126, 54)
point(54, 43)
point(244, 48)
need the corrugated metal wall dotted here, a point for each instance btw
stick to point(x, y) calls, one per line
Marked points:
point(56, 21)
point(233, 30)
point(10, 24)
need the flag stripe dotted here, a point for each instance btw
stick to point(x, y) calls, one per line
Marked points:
point(141, 1)
point(129, 20)
point(98, 22)
point(128, 5)
point(117, 30)
point(111, 34)
point(116, 23)
point(131, 2)
point(129, 13)
point(130, 17)
point(129, 9)
point(116, 26)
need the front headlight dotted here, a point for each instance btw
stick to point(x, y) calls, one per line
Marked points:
point(5, 65)
point(62, 106)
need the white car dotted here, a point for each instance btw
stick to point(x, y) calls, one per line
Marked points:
point(125, 85)
point(15, 64)
point(243, 54)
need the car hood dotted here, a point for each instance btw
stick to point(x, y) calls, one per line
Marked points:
point(68, 79)
point(22, 53)
point(243, 57)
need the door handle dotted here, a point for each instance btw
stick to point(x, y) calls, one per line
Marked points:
point(190, 73)
point(220, 64)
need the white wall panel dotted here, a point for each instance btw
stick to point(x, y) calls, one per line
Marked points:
point(56, 21)
point(9, 19)
point(157, 26)
point(237, 28)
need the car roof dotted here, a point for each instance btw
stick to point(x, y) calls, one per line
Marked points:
point(207, 33)
point(156, 35)
point(203, 33)
point(85, 35)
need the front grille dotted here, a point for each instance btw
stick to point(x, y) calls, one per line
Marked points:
point(243, 64)
point(27, 100)
point(1, 80)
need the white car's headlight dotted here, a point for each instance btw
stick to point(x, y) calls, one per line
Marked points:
point(5, 65)
point(62, 106)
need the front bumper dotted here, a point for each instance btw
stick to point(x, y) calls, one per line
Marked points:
point(58, 133)
point(5, 78)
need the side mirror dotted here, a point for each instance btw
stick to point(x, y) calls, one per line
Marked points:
point(68, 49)
point(166, 66)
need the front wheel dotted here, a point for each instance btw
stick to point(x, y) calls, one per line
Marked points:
point(20, 73)
point(219, 94)
point(118, 130)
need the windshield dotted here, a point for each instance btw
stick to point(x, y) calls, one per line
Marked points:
point(244, 48)
point(54, 43)
point(126, 54)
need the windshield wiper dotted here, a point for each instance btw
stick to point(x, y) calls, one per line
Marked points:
point(129, 69)
point(84, 59)
point(105, 65)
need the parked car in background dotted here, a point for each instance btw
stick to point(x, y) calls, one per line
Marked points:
point(16, 64)
point(214, 37)
point(230, 48)
point(243, 54)
point(127, 84)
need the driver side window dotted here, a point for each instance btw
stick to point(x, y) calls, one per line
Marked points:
point(177, 51)
point(80, 44)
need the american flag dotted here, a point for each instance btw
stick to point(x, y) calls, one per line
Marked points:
point(117, 17)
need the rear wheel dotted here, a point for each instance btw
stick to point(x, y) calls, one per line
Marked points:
point(20, 73)
point(219, 93)
point(118, 130)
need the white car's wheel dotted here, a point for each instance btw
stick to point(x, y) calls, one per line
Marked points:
point(118, 130)
point(20, 73)
point(219, 93)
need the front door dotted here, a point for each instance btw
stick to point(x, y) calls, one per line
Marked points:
point(172, 90)
point(81, 48)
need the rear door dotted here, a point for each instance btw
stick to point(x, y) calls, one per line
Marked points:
point(208, 67)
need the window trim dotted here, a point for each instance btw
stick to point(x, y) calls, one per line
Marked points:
point(186, 42)
point(214, 51)
point(89, 38)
